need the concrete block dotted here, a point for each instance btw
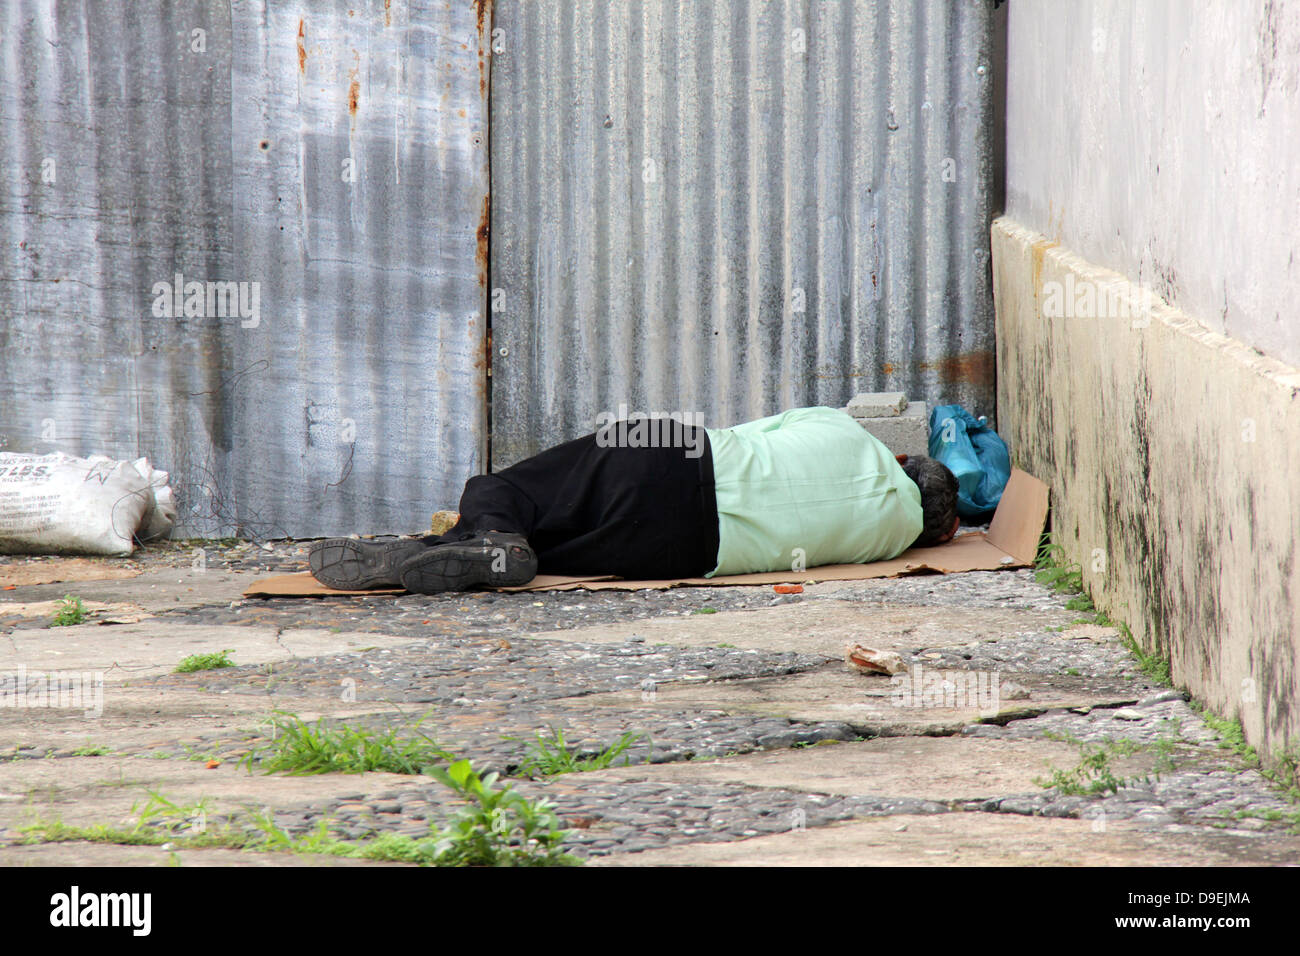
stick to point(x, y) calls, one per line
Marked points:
point(877, 404)
point(905, 434)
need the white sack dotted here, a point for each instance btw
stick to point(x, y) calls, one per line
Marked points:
point(58, 504)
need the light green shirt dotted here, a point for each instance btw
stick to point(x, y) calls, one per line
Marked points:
point(805, 488)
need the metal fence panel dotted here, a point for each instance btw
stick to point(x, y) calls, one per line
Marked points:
point(733, 208)
point(331, 156)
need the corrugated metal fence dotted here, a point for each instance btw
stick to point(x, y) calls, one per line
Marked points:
point(728, 208)
point(330, 159)
point(734, 208)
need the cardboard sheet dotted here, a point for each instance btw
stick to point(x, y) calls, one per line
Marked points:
point(303, 584)
point(1011, 542)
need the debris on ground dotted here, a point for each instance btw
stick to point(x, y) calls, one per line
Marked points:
point(871, 661)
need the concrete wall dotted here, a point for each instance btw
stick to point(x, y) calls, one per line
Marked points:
point(1171, 452)
point(1159, 138)
point(1145, 280)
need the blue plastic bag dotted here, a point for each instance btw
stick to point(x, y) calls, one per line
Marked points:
point(975, 454)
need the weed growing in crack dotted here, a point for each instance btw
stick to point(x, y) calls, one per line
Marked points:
point(205, 662)
point(70, 611)
point(1053, 571)
point(1289, 817)
point(1282, 770)
point(496, 827)
point(549, 756)
point(1093, 776)
point(301, 749)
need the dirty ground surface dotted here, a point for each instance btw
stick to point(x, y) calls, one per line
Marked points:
point(1018, 736)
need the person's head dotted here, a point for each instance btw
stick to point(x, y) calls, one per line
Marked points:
point(938, 488)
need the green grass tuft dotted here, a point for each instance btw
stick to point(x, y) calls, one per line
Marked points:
point(301, 749)
point(70, 611)
point(1065, 577)
point(549, 756)
point(496, 827)
point(1094, 776)
point(1155, 667)
point(205, 662)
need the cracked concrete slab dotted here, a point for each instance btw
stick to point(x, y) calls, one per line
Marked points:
point(87, 790)
point(17, 572)
point(824, 627)
point(871, 704)
point(149, 648)
point(156, 590)
point(973, 839)
point(77, 854)
point(142, 718)
point(941, 769)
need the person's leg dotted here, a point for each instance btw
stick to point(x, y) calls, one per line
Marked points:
point(634, 511)
point(582, 507)
point(591, 507)
point(499, 516)
point(515, 499)
point(351, 564)
point(489, 503)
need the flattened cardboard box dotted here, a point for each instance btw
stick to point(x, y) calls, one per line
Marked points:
point(1010, 542)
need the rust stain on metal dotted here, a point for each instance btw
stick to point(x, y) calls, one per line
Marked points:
point(302, 47)
point(974, 367)
point(483, 363)
point(354, 94)
point(388, 16)
point(481, 252)
point(481, 11)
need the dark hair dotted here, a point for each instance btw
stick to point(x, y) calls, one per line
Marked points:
point(938, 488)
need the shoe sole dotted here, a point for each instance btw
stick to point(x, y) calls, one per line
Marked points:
point(347, 564)
point(459, 567)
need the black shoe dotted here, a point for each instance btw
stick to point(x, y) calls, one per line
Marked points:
point(491, 558)
point(349, 564)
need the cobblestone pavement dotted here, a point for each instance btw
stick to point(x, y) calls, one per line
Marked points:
point(740, 711)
